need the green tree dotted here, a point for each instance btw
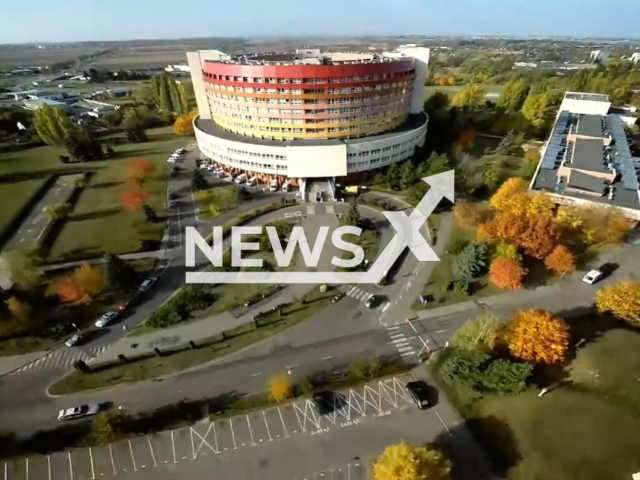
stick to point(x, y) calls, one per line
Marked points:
point(506, 377)
point(471, 262)
point(118, 273)
point(52, 125)
point(407, 175)
point(437, 102)
point(510, 144)
point(463, 365)
point(513, 95)
point(481, 333)
point(24, 268)
point(149, 213)
point(470, 96)
point(491, 176)
point(198, 182)
point(353, 216)
point(535, 108)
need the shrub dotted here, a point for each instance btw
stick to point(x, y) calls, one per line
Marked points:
point(471, 262)
point(478, 334)
point(458, 246)
point(463, 365)
point(461, 286)
point(365, 370)
point(506, 377)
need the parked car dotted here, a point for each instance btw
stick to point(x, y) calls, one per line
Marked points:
point(324, 402)
point(122, 306)
point(82, 411)
point(286, 186)
point(222, 175)
point(240, 179)
point(252, 181)
point(147, 284)
point(77, 339)
point(373, 301)
point(419, 392)
point(106, 319)
point(273, 186)
point(318, 197)
point(593, 276)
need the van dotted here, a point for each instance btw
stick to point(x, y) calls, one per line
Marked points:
point(240, 178)
point(286, 186)
point(252, 181)
point(274, 185)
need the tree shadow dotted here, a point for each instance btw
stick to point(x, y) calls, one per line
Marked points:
point(98, 214)
point(105, 185)
point(493, 434)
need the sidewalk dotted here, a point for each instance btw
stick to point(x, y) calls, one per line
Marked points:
point(12, 362)
point(100, 260)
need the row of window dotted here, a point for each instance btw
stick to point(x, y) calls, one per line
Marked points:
point(311, 121)
point(231, 109)
point(310, 81)
point(272, 101)
point(283, 91)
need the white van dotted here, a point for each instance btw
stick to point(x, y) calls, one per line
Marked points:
point(286, 186)
point(252, 181)
point(240, 178)
point(274, 185)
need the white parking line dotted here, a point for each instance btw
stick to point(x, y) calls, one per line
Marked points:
point(250, 431)
point(113, 464)
point(267, 426)
point(133, 460)
point(400, 340)
point(404, 349)
point(70, 465)
point(384, 309)
point(284, 427)
point(48, 467)
point(153, 455)
point(395, 327)
point(351, 290)
point(173, 448)
point(93, 472)
point(233, 435)
point(406, 354)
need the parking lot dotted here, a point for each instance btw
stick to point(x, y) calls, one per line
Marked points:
point(206, 439)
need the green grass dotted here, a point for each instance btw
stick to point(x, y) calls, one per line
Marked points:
point(442, 273)
point(224, 198)
point(587, 430)
point(26, 344)
point(210, 349)
point(13, 196)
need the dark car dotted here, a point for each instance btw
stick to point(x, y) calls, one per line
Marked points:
point(324, 402)
point(419, 392)
point(373, 301)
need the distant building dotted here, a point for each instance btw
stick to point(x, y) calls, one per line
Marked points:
point(587, 159)
point(177, 68)
point(599, 56)
point(37, 104)
point(635, 57)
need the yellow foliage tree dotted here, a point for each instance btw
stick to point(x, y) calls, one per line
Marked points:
point(560, 261)
point(280, 387)
point(407, 462)
point(471, 95)
point(622, 299)
point(184, 123)
point(511, 197)
point(538, 336)
point(19, 309)
point(467, 214)
point(541, 205)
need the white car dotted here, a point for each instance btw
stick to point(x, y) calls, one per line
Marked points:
point(252, 181)
point(147, 284)
point(593, 276)
point(82, 411)
point(106, 319)
point(274, 186)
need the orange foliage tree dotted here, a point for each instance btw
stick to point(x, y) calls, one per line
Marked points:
point(467, 214)
point(537, 236)
point(560, 261)
point(138, 169)
point(507, 273)
point(511, 197)
point(622, 299)
point(184, 123)
point(538, 336)
point(81, 285)
point(466, 139)
point(134, 198)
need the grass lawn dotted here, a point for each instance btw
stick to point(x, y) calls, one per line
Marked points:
point(98, 222)
point(442, 273)
point(13, 196)
point(588, 430)
point(210, 349)
point(223, 197)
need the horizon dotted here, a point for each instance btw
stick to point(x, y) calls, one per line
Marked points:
point(248, 19)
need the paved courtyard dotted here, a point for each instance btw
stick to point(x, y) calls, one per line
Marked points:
point(239, 438)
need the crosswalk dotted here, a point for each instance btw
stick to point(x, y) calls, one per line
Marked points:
point(362, 296)
point(400, 341)
point(330, 209)
point(63, 358)
point(311, 209)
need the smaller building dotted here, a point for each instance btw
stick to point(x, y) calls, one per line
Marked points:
point(635, 56)
point(37, 104)
point(599, 56)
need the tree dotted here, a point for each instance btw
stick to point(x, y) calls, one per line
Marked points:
point(19, 309)
point(507, 273)
point(136, 135)
point(467, 214)
point(510, 144)
point(537, 236)
point(470, 96)
point(138, 169)
point(407, 462)
point(139, 118)
point(480, 333)
point(538, 336)
point(134, 198)
point(511, 196)
point(107, 427)
point(353, 216)
point(118, 273)
point(466, 139)
point(198, 182)
point(56, 212)
point(621, 299)
point(280, 387)
point(529, 163)
point(81, 285)
point(506, 250)
point(437, 102)
point(560, 260)
point(541, 205)
point(24, 268)
point(491, 176)
point(513, 95)
point(471, 261)
point(407, 175)
point(82, 145)
point(150, 214)
point(52, 125)
point(184, 124)
point(506, 377)
point(535, 108)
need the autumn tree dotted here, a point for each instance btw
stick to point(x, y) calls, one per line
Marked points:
point(513, 95)
point(408, 462)
point(529, 163)
point(507, 273)
point(622, 299)
point(138, 169)
point(134, 198)
point(19, 309)
point(540, 205)
point(504, 249)
point(81, 285)
point(184, 123)
point(280, 387)
point(466, 139)
point(52, 125)
point(538, 336)
point(481, 333)
point(24, 268)
point(535, 108)
point(537, 236)
point(511, 197)
point(467, 214)
point(470, 96)
point(560, 260)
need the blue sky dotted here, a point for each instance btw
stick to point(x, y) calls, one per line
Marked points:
point(76, 20)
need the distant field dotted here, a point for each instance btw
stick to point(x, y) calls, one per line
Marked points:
point(452, 90)
point(14, 56)
point(146, 57)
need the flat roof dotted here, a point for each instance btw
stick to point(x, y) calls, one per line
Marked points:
point(413, 122)
point(589, 155)
point(590, 126)
point(587, 182)
point(595, 97)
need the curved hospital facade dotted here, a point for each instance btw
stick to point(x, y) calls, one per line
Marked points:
point(310, 114)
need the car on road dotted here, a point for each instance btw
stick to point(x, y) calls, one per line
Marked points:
point(77, 339)
point(240, 179)
point(419, 393)
point(82, 411)
point(106, 319)
point(593, 276)
point(324, 402)
point(147, 284)
point(373, 301)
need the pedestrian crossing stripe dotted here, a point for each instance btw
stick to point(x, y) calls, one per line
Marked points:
point(330, 209)
point(311, 209)
point(62, 358)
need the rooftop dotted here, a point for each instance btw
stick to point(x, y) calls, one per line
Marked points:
point(594, 97)
point(320, 58)
point(589, 155)
point(582, 181)
point(590, 126)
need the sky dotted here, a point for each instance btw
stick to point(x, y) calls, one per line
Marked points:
point(86, 20)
